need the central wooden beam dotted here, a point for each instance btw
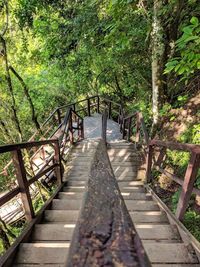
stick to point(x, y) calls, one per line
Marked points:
point(105, 234)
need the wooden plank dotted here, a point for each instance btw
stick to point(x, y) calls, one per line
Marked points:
point(104, 126)
point(105, 227)
point(157, 232)
point(41, 173)
point(88, 107)
point(176, 179)
point(57, 159)
point(23, 184)
point(40, 253)
point(53, 232)
point(169, 253)
point(13, 147)
point(149, 163)
point(177, 146)
point(149, 217)
point(61, 216)
point(188, 184)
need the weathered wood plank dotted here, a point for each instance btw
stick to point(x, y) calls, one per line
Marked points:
point(105, 235)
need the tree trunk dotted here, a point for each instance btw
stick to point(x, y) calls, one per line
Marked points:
point(26, 92)
point(10, 88)
point(157, 61)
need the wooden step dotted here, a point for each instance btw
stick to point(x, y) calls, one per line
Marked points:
point(149, 217)
point(126, 164)
point(136, 196)
point(157, 232)
point(169, 253)
point(42, 253)
point(82, 154)
point(66, 204)
point(121, 152)
point(53, 232)
point(78, 175)
point(130, 184)
point(73, 182)
point(133, 189)
point(73, 188)
point(78, 164)
point(63, 216)
point(141, 205)
point(70, 195)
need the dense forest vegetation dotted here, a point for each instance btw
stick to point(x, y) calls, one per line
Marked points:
point(143, 54)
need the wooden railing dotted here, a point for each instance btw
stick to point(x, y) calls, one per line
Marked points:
point(21, 173)
point(104, 234)
point(135, 122)
point(187, 183)
point(41, 164)
point(134, 129)
point(65, 123)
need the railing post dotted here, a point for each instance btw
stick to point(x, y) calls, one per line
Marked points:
point(59, 116)
point(23, 184)
point(104, 126)
point(124, 129)
point(98, 102)
point(120, 118)
point(57, 159)
point(74, 107)
point(137, 136)
point(71, 137)
point(109, 110)
point(129, 128)
point(188, 184)
point(149, 163)
point(88, 106)
point(161, 156)
point(82, 129)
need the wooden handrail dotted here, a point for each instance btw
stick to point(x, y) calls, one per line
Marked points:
point(103, 219)
point(176, 146)
point(104, 125)
point(190, 175)
point(12, 147)
point(23, 182)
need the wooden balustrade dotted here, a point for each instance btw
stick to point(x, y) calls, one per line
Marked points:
point(21, 174)
point(187, 183)
point(136, 121)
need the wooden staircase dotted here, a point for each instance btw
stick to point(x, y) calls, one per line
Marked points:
point(136, 229)
point(51, 238)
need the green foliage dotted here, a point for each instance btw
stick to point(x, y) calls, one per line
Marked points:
point(191, 222)
point(175, 199)
point(187, 47)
